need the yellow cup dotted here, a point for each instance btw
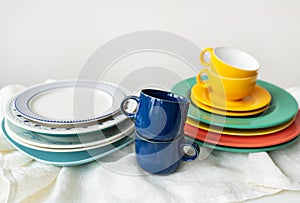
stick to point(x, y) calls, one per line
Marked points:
point(230, 62)
point(223, 87)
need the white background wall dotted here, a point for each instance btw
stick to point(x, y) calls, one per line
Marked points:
point(42, 39)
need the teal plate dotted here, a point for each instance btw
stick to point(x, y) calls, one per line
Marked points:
point(68, 158)
point(245, 150)
point(283, 108)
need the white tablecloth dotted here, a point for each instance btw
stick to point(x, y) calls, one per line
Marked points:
point(221, 177)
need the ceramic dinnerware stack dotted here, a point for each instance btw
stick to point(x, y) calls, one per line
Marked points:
point(263, 119)
point(69, 122)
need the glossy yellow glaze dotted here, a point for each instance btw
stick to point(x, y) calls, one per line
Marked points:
point(257, 99)
point(229, 88)
point(220, 67)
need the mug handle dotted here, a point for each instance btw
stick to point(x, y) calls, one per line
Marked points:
point(195, 147)
point(200, 81)
point(202, 60)
point(123, 110)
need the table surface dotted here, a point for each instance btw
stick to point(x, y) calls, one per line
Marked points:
point(284, 196)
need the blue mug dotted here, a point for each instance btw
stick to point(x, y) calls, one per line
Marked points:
point(160, 115)
point(163, 157)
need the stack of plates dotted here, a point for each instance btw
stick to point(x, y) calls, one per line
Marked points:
point(266, 120)
point(68, 123)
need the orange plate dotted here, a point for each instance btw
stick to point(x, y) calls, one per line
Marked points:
point(276, 138)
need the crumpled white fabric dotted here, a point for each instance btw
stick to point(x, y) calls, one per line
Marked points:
point(221, 177)
point(20, 176)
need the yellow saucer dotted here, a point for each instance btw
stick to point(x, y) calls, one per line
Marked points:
point(228, 113)
point(239, 132)
point(259, 98)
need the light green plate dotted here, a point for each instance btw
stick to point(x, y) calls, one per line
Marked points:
point(246, 150)
point(283, 108)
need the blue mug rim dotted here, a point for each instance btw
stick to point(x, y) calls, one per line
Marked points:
point(155, 141)
point(171, 95)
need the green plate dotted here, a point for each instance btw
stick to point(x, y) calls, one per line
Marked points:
point(245, 150)
point(283, 108)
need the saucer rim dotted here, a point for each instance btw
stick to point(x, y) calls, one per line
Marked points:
point(265, 100)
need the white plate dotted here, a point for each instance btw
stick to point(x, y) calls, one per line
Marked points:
point(69, 102)
point(69, 158)
point(67, 144)
point(17, 119)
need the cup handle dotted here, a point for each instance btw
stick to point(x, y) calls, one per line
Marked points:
point(123, 110)
point(196, 148)
point(202, 60)
point(200, 81)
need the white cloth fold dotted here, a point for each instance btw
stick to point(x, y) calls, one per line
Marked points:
point(221, 177)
